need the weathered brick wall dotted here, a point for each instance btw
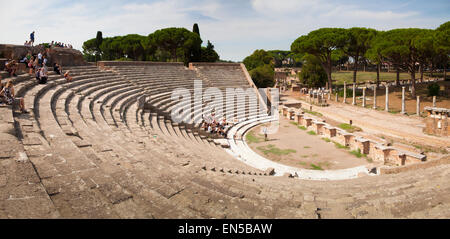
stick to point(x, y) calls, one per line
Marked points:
point(437, 122)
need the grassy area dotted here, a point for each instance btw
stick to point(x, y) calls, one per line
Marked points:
point(357, 153)
point(347, 76)
point(312, 112)
point(326, 139)
point(306, 147)
point(298, 126)
point(311, 132)
point(349, 128)
point(394, 111)
point(252, 138)
point(272, 149)
point(339, 146)
point(316, 167)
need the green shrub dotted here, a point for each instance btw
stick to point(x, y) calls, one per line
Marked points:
point(433, 89)
point(311, 132)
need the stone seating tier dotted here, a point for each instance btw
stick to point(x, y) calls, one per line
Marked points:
point(95, 155)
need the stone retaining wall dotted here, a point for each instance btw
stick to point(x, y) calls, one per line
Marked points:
point(62, 56)
point(432, 163)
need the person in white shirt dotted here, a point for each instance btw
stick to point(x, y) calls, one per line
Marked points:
point(40, 58)
point(264, 129)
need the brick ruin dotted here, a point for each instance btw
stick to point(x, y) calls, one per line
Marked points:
point(436, 122)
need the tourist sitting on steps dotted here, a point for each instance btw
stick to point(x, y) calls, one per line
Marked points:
point(38, 73)
point(43, 75)
point(2, 97)
point(7, 94)
point(11, 67)
point(57, 68)
point(31, 65)
point(67, 76)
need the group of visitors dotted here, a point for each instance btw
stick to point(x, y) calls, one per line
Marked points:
point(52, 44)
point(7, 96)
point(211, 125)
point(60, 44)
point(37, 65)
point(28, 43)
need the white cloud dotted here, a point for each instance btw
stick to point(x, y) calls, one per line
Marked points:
point(284, 6)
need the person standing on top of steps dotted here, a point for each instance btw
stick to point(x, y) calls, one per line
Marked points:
point(32, 38)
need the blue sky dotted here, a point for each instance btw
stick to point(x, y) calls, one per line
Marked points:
point(236, 28)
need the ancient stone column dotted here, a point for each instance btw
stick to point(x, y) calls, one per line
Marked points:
point(345, 93)
point(354, 94)
point(403, 100)
point(434, 101)
point(418, 106)
point(336, 97)
point(364, 97)
point(374, 97)
point(386, 107)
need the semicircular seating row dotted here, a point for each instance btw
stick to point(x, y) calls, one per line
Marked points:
point(98, 154)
